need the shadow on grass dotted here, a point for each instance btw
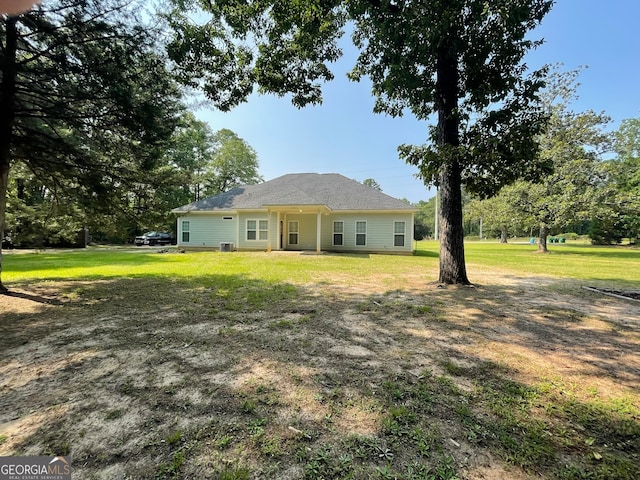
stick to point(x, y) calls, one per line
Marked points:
point(426, 253)
point(165, 378)
point(78, 259)
point(612, 252)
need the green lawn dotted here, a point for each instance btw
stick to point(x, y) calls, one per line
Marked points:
point(117, 263)
point(573, 261)
point(207, 365)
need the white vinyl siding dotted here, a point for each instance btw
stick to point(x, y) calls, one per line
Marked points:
point(380, 231)
point(260, 224)
point(306, 231)
point(206, 230)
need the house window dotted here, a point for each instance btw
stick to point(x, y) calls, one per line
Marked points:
point(293, 233)
point(257, 229)
point(398, 234)
point(361, 233)
point(185, 231)
point(263, 229)
point(252, 230)
point(338, 232)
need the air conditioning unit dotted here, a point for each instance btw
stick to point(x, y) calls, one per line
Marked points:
point(226, 246)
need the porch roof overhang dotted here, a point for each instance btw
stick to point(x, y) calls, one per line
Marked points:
point(291, 208)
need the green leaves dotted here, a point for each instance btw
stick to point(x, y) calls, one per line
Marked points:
point(209, 59)
point(573, 187)
point(93, 106)
point(627, 139)
point(461, 60)
point(234, 163)
point(89, 81)
point(282, 47)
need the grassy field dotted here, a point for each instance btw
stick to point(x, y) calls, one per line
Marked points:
point(572, 260)
point(575, 261)
point(142, 364)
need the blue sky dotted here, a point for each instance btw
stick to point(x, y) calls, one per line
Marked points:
point(344, 136)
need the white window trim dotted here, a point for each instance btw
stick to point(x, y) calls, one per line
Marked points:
point(187, 231)
point(289, 232)
point(334, 233)
point(361, 233)
point(257, 230)
point(404, 235)
point(264, 230)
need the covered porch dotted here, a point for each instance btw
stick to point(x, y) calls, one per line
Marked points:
point(298, 227)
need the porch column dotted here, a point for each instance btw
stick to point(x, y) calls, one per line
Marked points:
point(268, 231)
point(318, 228)
point(278, 233)
point(285, 240)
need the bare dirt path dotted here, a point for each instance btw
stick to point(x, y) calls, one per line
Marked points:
point(137, 380)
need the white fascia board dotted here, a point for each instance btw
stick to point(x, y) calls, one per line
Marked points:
point(363, 211)
point(304, 208)
point(207, 212)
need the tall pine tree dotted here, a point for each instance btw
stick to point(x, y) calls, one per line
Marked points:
point(86, 103)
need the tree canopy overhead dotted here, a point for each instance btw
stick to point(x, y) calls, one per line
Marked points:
point(86, 102)
point(460, 61)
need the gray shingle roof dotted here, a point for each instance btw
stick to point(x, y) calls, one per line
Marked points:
point(331, 189)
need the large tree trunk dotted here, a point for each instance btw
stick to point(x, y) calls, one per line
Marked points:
point(503, 235)
point(7, 116)
point(542, 243)
point(452, 263)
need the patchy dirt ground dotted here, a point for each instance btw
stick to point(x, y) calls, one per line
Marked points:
point(342, 378)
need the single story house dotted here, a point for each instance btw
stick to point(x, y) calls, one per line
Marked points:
point(304, 211)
